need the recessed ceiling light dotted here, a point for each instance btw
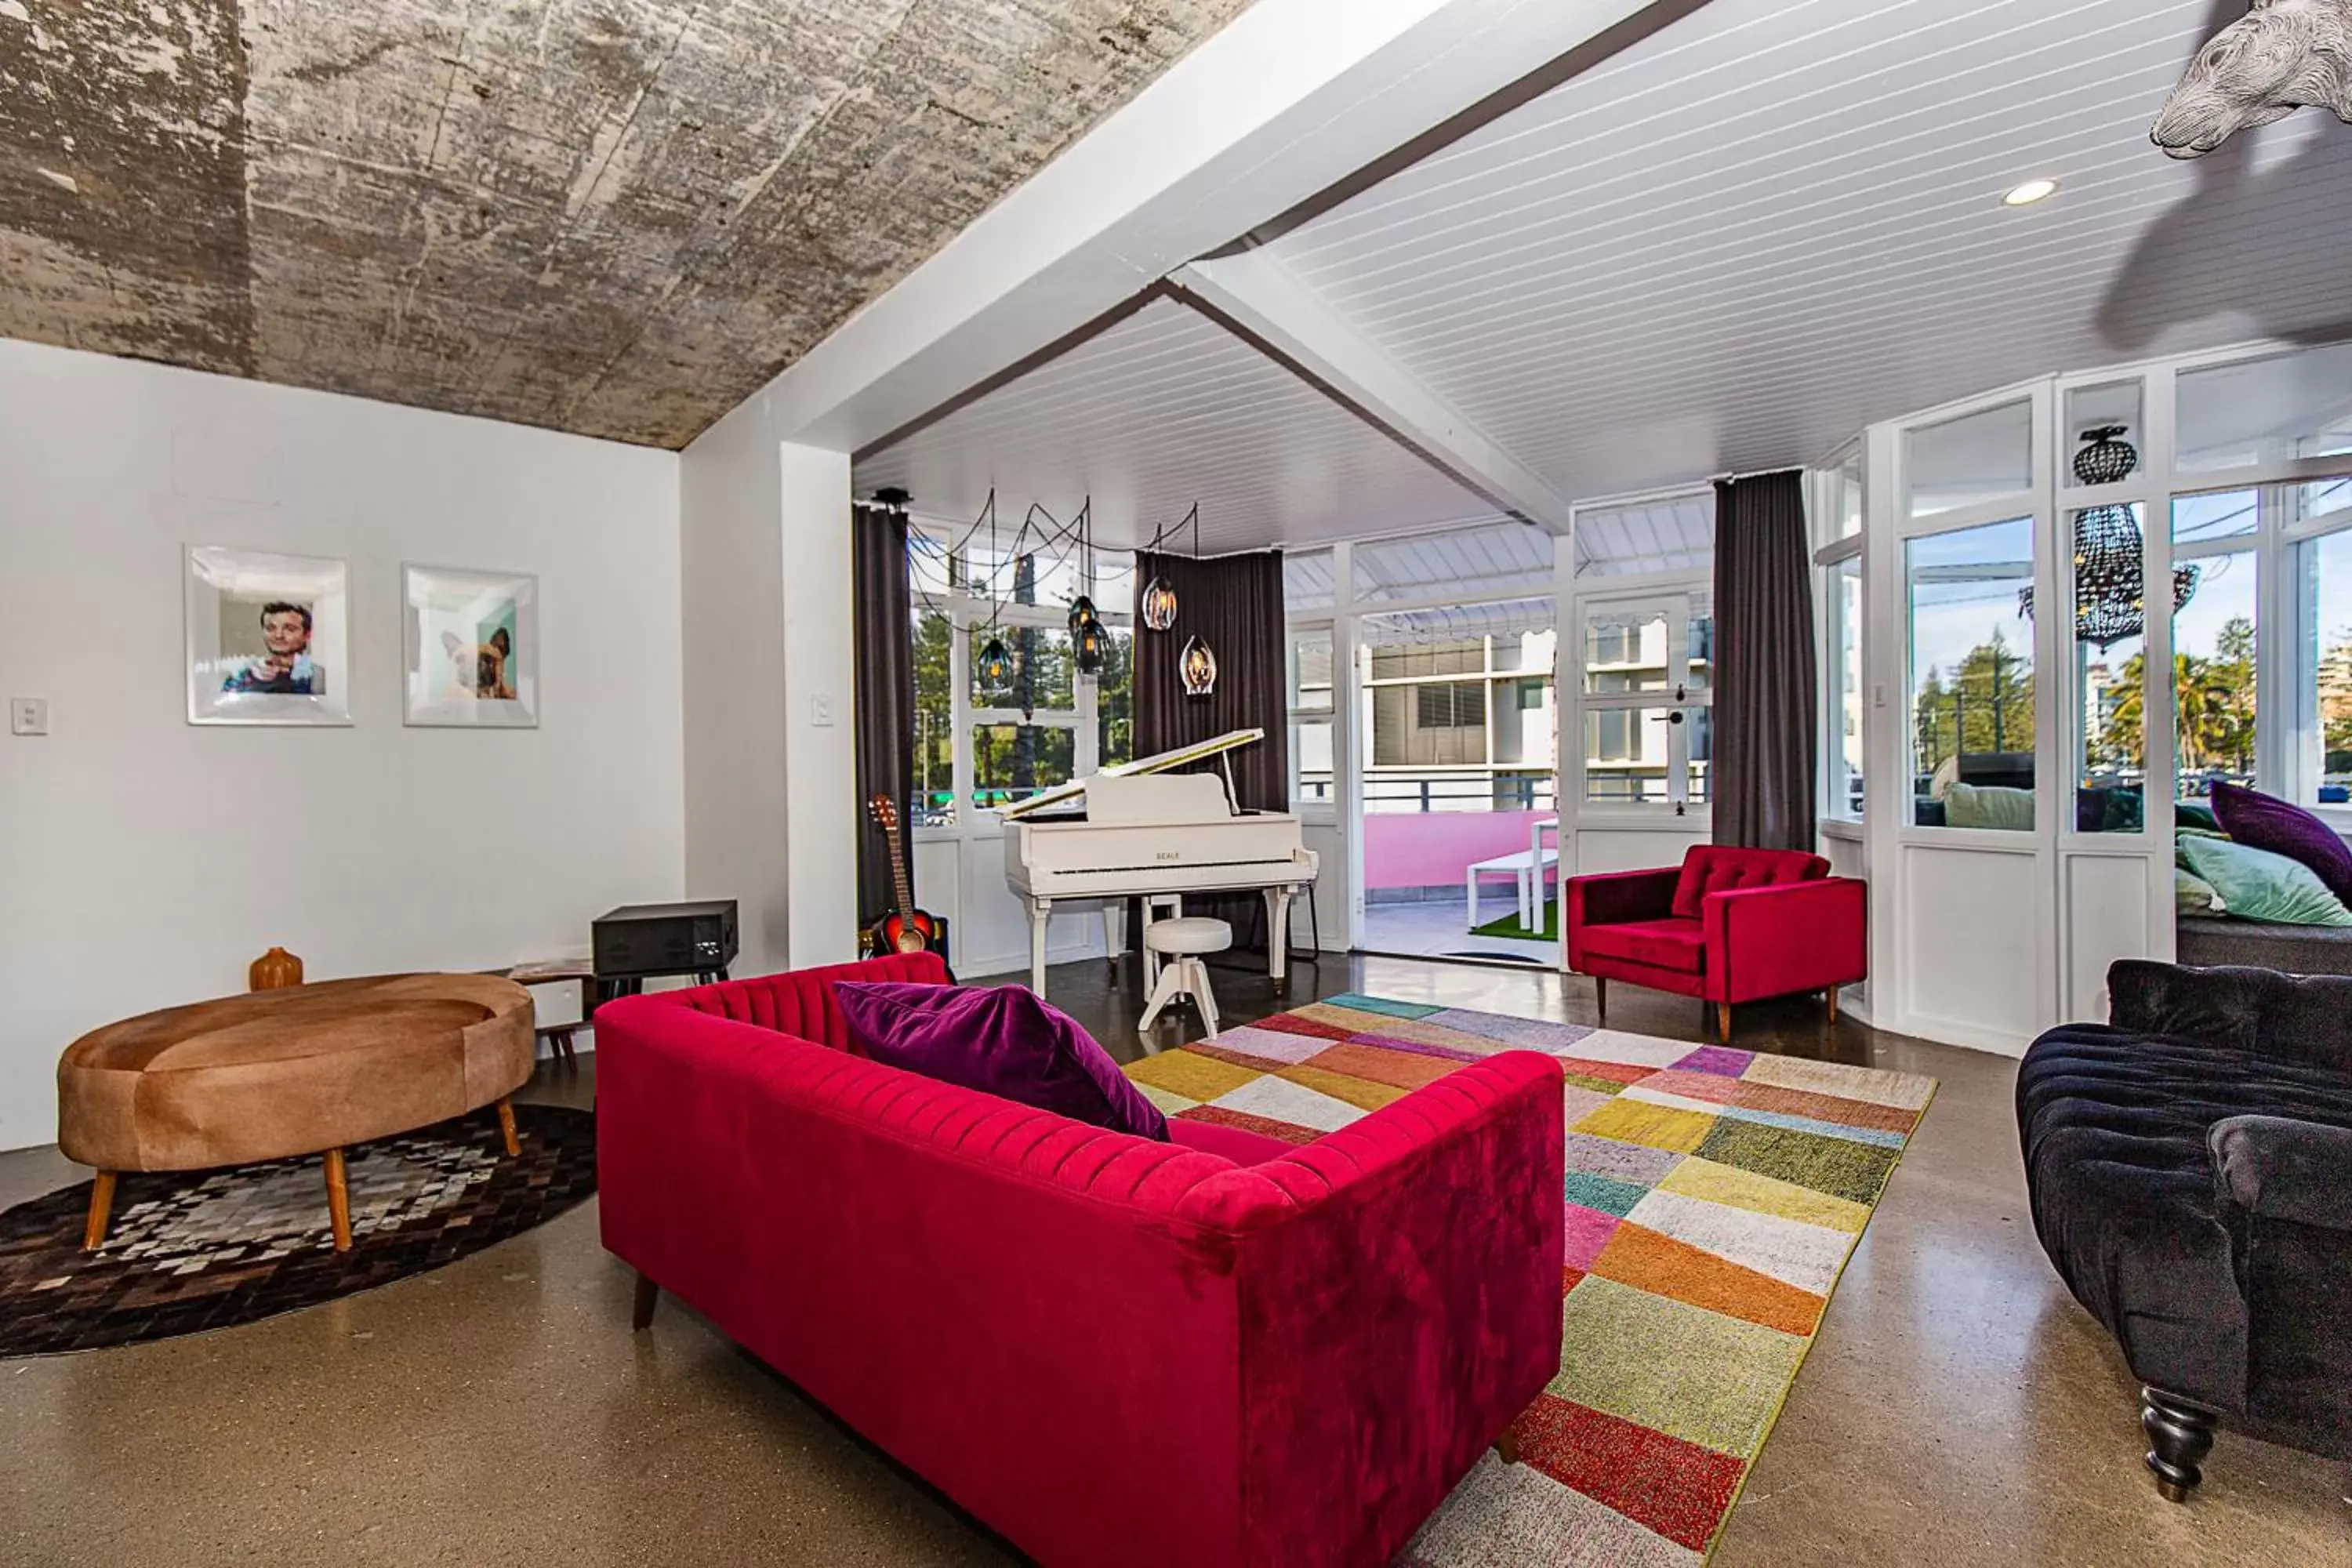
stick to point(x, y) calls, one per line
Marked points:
point(2033, 191)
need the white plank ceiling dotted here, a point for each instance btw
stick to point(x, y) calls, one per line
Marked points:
point(1776, 220)
point(1726, 249)
point(1162, 410)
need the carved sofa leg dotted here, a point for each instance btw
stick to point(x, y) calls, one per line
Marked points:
point(2178, 1435)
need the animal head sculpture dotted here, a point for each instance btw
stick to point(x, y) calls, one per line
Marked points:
point(2282, 56)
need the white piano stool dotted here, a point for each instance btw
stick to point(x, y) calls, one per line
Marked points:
point(1179, 944)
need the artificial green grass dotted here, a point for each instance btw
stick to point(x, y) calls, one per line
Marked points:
point(1509, 926)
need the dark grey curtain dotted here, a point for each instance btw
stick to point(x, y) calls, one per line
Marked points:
point(1764, 662)
point(1235, 602)
point(884, 612)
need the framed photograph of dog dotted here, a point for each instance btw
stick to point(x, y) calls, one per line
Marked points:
point(269, 637)
point(471, 642)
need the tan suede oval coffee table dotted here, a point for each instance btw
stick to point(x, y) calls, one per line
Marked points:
point(309, 1069)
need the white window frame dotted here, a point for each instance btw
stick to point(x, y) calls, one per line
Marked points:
point(1671, 594)
point(967, 611)
point(1324, 812)
point(1487, 676)
point(1836, 551)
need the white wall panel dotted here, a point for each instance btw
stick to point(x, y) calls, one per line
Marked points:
point(1330, 893)
point(1971, 938)
point(2105, 908)
point(1600, 850)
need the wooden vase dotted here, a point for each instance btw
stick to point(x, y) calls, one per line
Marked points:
point(273, 970)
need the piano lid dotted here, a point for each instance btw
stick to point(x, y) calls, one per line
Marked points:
point(1199, 751)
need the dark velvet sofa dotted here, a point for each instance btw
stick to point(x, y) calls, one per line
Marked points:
point(2190, 1170)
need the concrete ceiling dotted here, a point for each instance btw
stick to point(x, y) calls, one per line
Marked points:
point(618, 217)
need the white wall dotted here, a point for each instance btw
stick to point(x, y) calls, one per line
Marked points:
point(731, 556)
point(770, 737)
point(145, 862)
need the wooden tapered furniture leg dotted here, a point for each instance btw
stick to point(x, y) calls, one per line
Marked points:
point(1832, 1004)
point(101, 1202)
point(641, 1314)
point(1723, 1021)
point(338, 1201)
point(1600, 994)
point(507, 1126)
point(1507, 1447)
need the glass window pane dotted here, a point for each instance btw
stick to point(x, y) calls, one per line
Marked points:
point(2103, 430)
point(1307, 582)
point(1971, 674)
point(1845, 690)
point(1974, 458)
point(2320, 500)
point(1310, 762)
point(928, 567)
point(2223, 514)
point(1626, 756)
point(1675, 533)
point(1013, 761)
point(2331, 566)
point(1701, 723)
point(1487, 559)
point(1699, 672)
point(1845, 511)
point(1114, 700)
point(934, 753)
point(1625, 650)
point(2214, 647)
point(2110, 666)
point(1039, 671)
point(1311, 687)
point(2266, 411)
point(994, 571)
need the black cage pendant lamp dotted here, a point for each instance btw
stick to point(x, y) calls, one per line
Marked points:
point(1089, 644)
point(2110, 601)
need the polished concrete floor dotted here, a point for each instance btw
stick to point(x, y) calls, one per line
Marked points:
point(1957, 1408)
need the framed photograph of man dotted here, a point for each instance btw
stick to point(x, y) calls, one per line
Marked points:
point(472, 648)
point(269, 637)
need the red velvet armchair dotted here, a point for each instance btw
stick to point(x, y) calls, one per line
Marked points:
point(1728, 926)
point(1110, 1350)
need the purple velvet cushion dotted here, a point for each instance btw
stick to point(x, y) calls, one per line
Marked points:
point(999, 1040)
point(2263, 821)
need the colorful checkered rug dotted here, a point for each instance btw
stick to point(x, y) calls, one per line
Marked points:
point(1712, 1196)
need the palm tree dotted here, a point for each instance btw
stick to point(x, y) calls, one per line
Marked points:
point(2209, 711)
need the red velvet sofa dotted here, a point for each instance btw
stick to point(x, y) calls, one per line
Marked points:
point(1727, 926)
point(1108, 1349)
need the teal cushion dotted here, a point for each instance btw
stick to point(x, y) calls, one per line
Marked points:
point(1989, 805)
point(2256, 885)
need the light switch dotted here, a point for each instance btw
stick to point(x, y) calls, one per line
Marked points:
point(821, 712)
point(28, 716)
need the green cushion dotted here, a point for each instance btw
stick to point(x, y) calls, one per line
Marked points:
point(1989, 805)
point(2256, 885)
point(2193, 895)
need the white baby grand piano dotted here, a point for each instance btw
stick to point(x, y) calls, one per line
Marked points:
point(1148, 832)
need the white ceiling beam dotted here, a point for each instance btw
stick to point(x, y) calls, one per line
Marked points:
point(1289, 99)
point(1254, 292)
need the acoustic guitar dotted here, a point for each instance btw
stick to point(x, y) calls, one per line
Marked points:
point(905, 929)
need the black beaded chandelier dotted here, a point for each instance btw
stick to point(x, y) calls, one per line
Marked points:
point(2110, 598)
